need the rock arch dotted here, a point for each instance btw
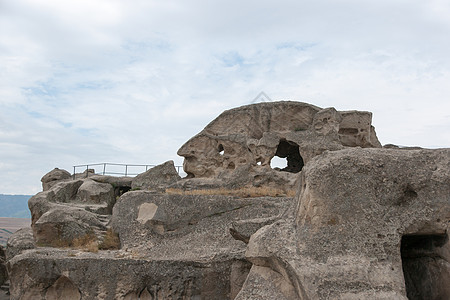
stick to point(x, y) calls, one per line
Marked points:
point(291, 152)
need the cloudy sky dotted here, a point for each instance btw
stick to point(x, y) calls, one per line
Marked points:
point(88, 81)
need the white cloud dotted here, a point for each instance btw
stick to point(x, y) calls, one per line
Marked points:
point(120, 81)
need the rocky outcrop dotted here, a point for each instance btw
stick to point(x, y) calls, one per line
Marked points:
point(73, 208)
point(20, 241)
point(172, 247)
point(367, 223)
point(236, 148)
point(61, 225)
point(36, 275)
point(178, 220)
point(157, 178)
point(54, 176)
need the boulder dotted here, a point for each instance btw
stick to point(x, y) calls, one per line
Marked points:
point(157, 178)
point(64, 192)
point(54, 176)
point(61, 225)
point(20, 241)
point(93, 192)
point(188, 222)
point(72, 209)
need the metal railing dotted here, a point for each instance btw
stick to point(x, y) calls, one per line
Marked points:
point(115, 169)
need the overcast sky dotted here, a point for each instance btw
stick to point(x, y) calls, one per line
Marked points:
point(88, 81)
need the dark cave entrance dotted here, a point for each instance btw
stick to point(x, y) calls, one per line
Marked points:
point(290, 151)
point(425, 266)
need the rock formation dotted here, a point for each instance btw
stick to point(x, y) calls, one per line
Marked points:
point(236, 148)
point(366, 222)
point(157, 178)
point(54, 176)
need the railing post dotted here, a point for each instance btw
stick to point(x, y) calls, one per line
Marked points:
point(87, 171)
point(126, 170)
point(104, 168)
point(73, 172)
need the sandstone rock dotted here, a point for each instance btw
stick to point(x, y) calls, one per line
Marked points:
point(93, 192)
point(19, 241)
point(356, 210)
point(240, 144)
point(243, 229)
point(181, 219)
point(239, 273)
point(64, 192)
point(34, 271)
point(85, 174)
point(265, 283)
point(54, 176)
point(121, 184)
point(39, 204)
point(364, 224)
point(74, 208)
point(157, 178)
point(63, 288)
point(65, 224)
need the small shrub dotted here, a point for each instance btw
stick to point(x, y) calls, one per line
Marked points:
point(111, 241)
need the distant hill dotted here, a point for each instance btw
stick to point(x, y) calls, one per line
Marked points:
point(14, 206)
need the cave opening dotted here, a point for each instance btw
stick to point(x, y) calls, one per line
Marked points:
point(287, 157)
point(426, 266)
point(221, 150)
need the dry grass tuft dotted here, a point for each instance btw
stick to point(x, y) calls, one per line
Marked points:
point(86, 242)
point(57, 243)
point(245, 192)
point(111, 241)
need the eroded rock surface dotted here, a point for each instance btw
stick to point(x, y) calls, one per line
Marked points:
point(19, 241)
point(54, 176)
point(354, 210)
point(157, 178)
point(365, 223)
point(172, 247)
point(237, 147)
